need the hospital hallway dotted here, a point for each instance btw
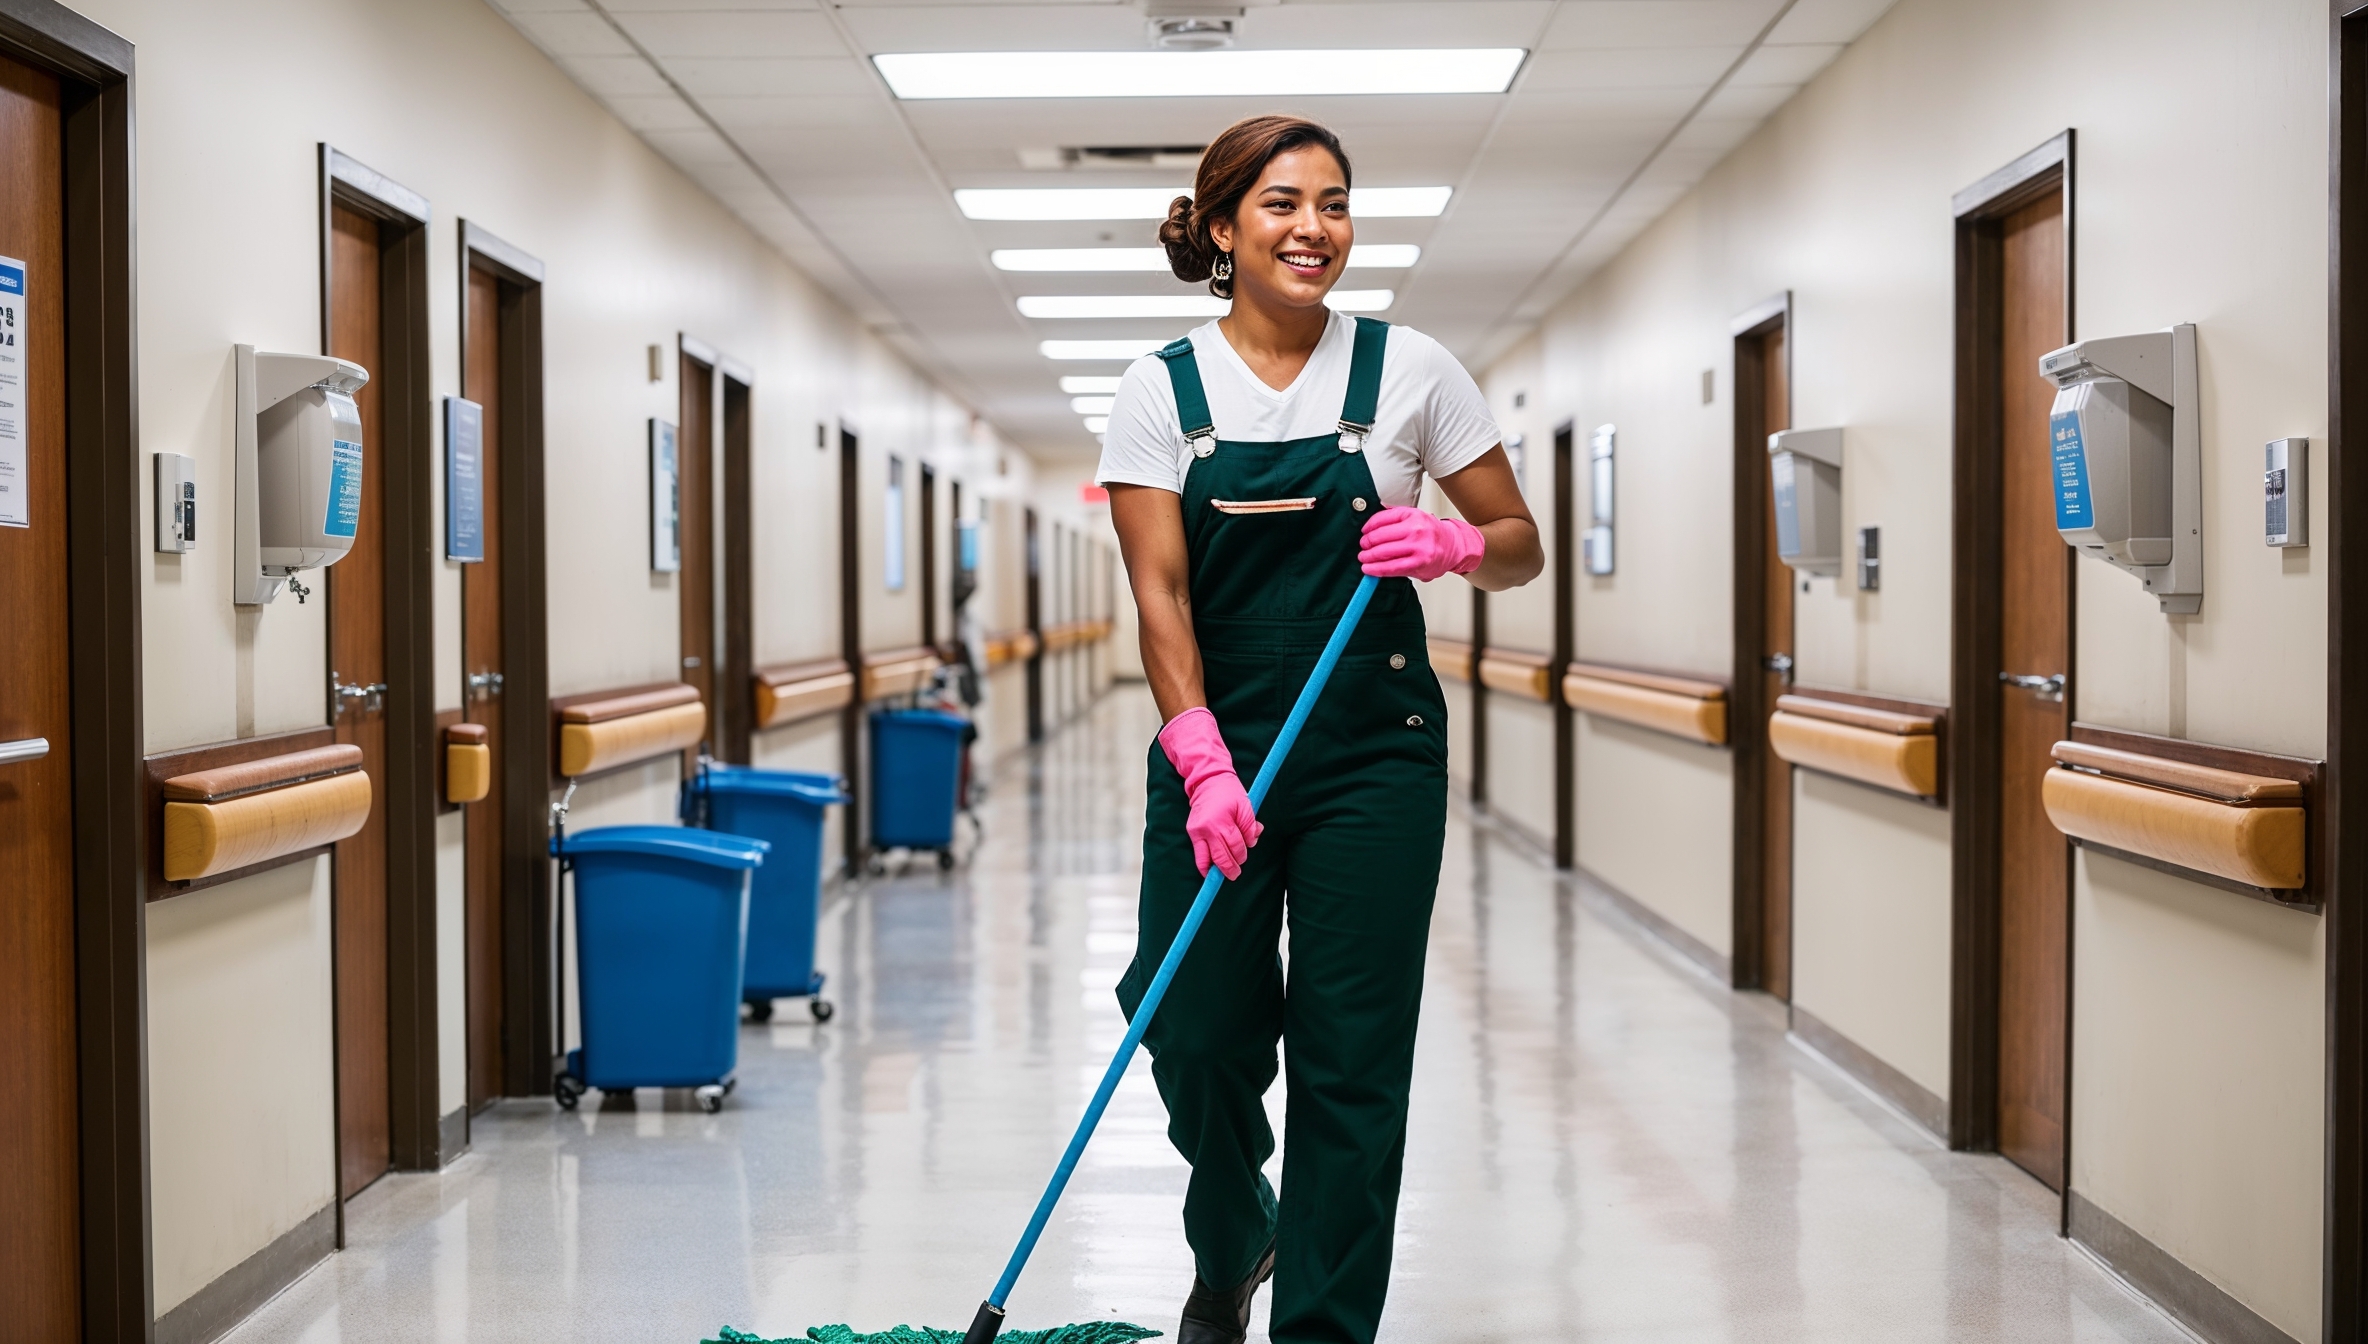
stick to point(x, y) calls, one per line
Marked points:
point(1606, 1145)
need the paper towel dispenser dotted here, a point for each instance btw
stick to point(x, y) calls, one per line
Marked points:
point(299, 444)
point(1805, 471)
point(2125, 458)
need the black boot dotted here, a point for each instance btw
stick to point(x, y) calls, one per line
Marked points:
point(1212, 1317)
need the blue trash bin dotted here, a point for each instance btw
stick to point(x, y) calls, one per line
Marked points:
point(784, 808)
point(916, 779)
point(661, 916)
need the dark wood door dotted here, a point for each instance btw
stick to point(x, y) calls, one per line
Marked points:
point(482, 670)
point(40, 1272)
point(694, 456)
point(735, 707)
point(2036, 641)
point(1775, 596)
point(358, 664)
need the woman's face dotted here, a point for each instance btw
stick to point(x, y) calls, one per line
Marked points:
point(1291, 234)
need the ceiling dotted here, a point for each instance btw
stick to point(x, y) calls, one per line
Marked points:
point(774, 106)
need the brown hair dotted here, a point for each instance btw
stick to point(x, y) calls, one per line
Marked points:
point(1229, 169)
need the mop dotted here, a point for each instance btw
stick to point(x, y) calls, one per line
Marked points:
point(989, 1321)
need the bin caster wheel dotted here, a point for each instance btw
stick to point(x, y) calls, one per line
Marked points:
point(945, 860)
point(760, 1010)
point(710, 1097)
point(566, 1091)
point(821, 1008)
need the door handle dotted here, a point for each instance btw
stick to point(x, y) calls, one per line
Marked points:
point(1780, 664)
point(2047, 688)
point(485, 685)
point(23, 749)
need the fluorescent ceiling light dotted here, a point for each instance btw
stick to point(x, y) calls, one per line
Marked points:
point(1097, 424)
point(1131, 349)
point(1087, 382)
point(1152, 202)
point(1388, 256)
point(1197, 74)
point(1178, 305)
point(1092, 405)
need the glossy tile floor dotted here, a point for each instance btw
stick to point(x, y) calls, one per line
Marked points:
point(1606, 1146)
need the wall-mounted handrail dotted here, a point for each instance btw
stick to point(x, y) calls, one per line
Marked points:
point(606, 729)
point(1518, 672)
point(2246, 829)
point(236, 816)
point(1451, 659)
point(1891, 748)
point(789, 692)
point(897, 671)
point(1686, 707)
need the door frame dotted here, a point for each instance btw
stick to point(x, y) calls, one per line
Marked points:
point(688, 349)
point(522, 759)
point(2343, 831)
point(851, 819)
point(1976, 615)
point(1747, 735)
point(105, 493)
point(1566, 646)
point(407, 515)
point(736, 674)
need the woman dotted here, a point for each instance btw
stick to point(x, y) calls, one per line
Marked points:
point(1255, 469)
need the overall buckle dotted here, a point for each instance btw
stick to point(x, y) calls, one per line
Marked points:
point(1202, 443)
point(1353, 436)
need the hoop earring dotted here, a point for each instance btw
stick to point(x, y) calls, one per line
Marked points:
point(1222, 271)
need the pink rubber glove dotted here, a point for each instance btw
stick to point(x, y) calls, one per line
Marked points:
point(1408, 543)
point(1222, 826)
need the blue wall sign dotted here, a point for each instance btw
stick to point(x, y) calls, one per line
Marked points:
point(464, 480)
point(345, 488)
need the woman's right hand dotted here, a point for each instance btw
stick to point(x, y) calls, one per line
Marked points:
point(1222, 825)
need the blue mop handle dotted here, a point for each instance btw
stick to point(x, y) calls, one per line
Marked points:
point(1183, 941)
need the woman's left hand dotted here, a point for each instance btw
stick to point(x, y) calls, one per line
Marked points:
point(1409, 543)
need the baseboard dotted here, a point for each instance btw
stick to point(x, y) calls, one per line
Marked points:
point(211, 1311)
point(2195, 1301)
point(1655, 923)
point(1912, 1098)
point(452, 1136)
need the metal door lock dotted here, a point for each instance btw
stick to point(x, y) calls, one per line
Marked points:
point(1781, 665)
point(485, 685)
point(2047, 688)
point(371, 698)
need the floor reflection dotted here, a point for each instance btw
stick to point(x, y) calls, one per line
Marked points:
point(1606, 1146)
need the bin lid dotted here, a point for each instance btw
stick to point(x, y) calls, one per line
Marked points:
point(673, 842)
point(921, 718)
point(817, 789)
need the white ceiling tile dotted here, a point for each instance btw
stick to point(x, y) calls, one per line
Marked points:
point(756, 115)
point(1585, 24)
point(1714, 135)
point(615, 76)
point(1829, 20)
point(656, 112)
point(1574, 110)
point(724, 6)
point(576, 33)
point(1793, 65)
point(1640, 67)
point(1750, 102)
point(708, 33)
point(799, 76)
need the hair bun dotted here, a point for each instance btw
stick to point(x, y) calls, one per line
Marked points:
point(1191, 254)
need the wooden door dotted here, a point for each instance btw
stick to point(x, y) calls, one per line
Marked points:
point(483, 677)
point(358, 666)
point(40, 1271)
point(694, 456)
point(2035, 641)
point(735, 708)
point(1773, 804)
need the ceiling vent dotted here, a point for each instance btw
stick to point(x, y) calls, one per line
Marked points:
point(1191, 25)
point(1155, 157)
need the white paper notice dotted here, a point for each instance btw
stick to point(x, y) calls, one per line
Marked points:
point(16, 509)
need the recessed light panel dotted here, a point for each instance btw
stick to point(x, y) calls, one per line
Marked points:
point(1199, 74)
point(1097, 424)
point(1089, 383)
point(1133, 348)
point(1178, 305)
point(1379, 256)
point(1152, 202)
point(1092, 405)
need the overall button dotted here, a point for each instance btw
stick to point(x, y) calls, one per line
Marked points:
point(1358, 503)
point(1414, 720)
point(1397, 662)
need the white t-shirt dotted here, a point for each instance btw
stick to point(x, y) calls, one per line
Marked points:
point(1431, 419)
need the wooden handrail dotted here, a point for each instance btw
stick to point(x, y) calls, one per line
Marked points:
point(1518, 672)
point(606, 729)
point(1451, 658)
point(271, 772)
point(1889, 743)
point(602, 706)
point(468, 763)
point(789, 692)
point(2226, 817)
point(2221, 786)
point(1698, 688)
point(1679, 706)
point(897, 671)
point(1859, 716)
point(237, 816)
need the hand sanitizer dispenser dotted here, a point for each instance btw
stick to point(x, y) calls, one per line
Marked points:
point(1805, 471)
point(2126, 458)
point(299, 467)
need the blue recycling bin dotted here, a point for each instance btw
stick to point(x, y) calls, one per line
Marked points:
point(661, 916)
point(916, 779)
point(784, 808)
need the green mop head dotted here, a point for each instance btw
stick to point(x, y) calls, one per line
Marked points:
point(1091, 1332)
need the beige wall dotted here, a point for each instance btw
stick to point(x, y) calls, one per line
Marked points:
point(1843, 198)
point(1642, 826)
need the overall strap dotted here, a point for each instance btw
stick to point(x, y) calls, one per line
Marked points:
point(1364, 384)
point(1192, 402)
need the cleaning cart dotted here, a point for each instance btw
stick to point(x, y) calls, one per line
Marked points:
point(661, 928)
point(785, 808)
point(916, 780)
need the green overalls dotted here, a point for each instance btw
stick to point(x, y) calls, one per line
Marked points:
point(1350, 856)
